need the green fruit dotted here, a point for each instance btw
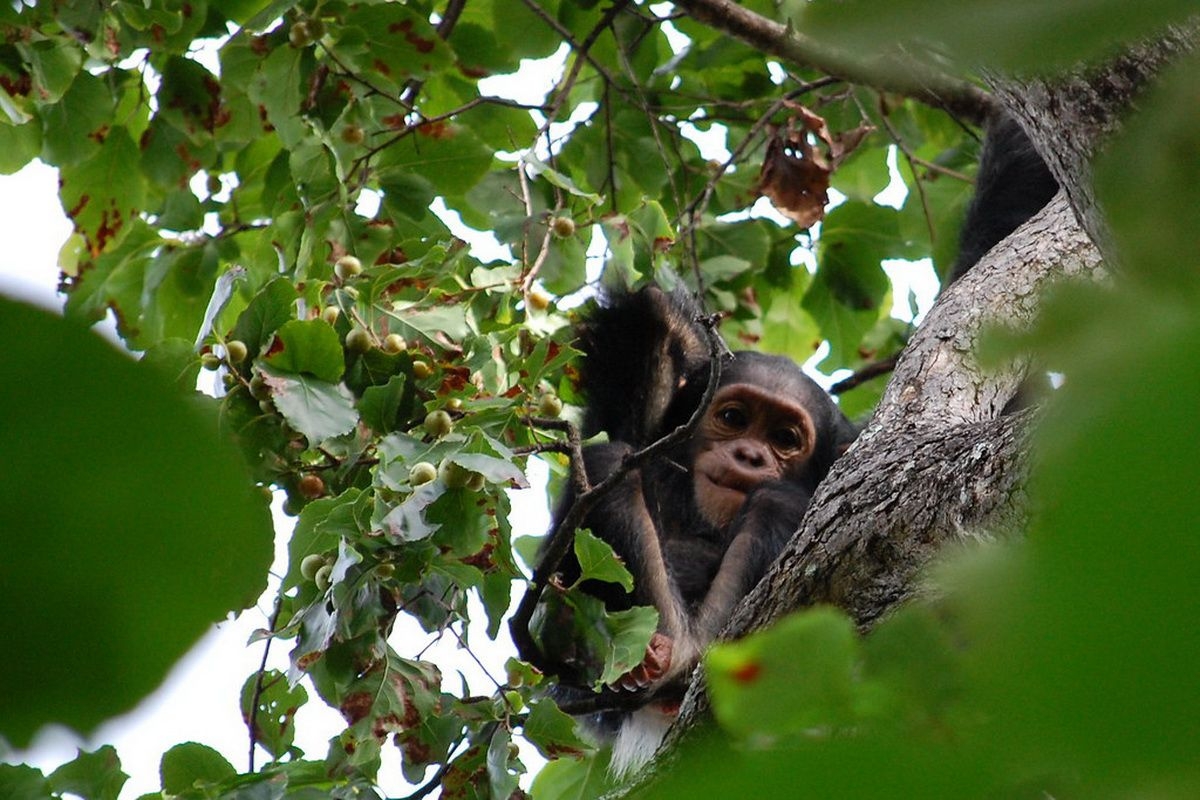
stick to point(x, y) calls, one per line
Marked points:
point(330, 314)
point(358, 340)
point(210, 361)
point(454, 403)
point(259, 389)
point(550, 405)
point(421, 369)
point(438, 423)
point(353, 134)
point(324, 577)
point(563, 227)
point(385, 570)
point(422, 473)
point(310, 564)
point(394, 343)
point(300, 35)
point(453, 475)
point(347, 267)
point(236, 350)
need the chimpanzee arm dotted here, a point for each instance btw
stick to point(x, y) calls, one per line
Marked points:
point(646, 364)
point(771, 514)
point(623, 520)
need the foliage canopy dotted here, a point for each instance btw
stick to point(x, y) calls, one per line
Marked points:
point(252, 187)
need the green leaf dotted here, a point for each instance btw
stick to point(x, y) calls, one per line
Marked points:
point(104, 192)
point(271, 307)
point(797, 674)
point(575, 778)
point(322, 525)
point(994, 32)
point(318, 409)
point(630, 631)
point(21, 782)
point(190, 766)
point(597, 561)
point(380, 406)
point(451, 157)
point(271, 704)
point(54, 63)
point(19, 144)
point(95, 776)
point(72, 128)
point(310, 346)
point(153, 545)
point(395, 41)
point(554, 733)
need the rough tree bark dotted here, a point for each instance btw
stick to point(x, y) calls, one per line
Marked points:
point(940, 462)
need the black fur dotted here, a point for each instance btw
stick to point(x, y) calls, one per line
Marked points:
point(1013, 184)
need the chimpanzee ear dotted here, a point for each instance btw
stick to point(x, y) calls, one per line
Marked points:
point(643, 352)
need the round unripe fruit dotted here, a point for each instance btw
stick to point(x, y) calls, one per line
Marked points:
point(353, 134)
point(316, 28)
point(358, 340)
point(311, 486)
point(310, 564)
point(236, 350)
point(347, 267)
point(422, 370)
point(324, 577)
point(550, 405)
point(210, 361)
point(422, 473)
point(385, 570)
point(476, 482)
point(394, 343)
point(438, 423)
point(330, 314)
point(453, 475)
point(259, 389)
point(539, 300)
point(300, 35)
point(563, 227)
point(454, 403)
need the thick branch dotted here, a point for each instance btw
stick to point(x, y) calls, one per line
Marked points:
point(889, 73)
point(938, 463)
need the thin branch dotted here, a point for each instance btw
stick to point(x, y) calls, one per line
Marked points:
point(563, 534)
point(252, 717)
point(865, 374)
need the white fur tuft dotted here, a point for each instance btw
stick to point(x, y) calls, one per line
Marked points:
point(638, 739)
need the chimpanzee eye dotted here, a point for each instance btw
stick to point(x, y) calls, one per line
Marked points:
point(786, 438)
point(733, 416)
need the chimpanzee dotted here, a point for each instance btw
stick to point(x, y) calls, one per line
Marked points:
point(699, 525)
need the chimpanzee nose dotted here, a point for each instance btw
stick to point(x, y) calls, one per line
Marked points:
point(750, 455)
